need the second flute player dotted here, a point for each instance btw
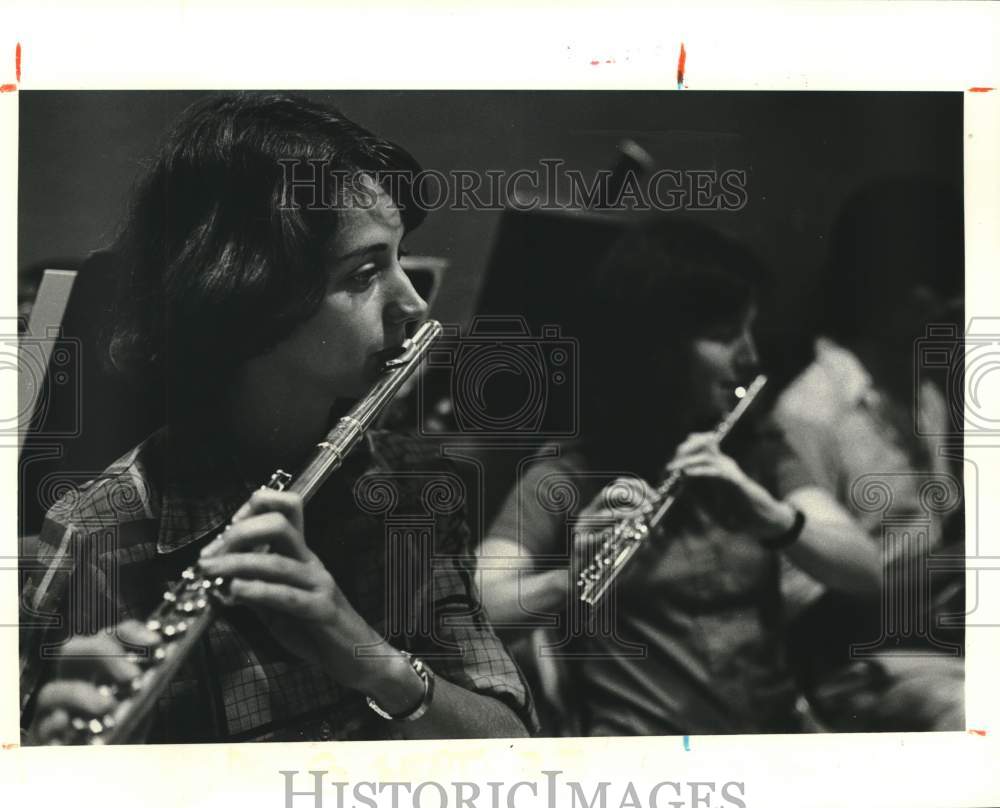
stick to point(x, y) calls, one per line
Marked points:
point(264, 314)
point(689, 638)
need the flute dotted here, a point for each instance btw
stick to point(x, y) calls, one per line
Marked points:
point(191, 604)
point(629, 534)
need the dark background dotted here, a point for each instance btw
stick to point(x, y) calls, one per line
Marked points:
point(803, 154)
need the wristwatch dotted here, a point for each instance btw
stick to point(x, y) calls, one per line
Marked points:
point(427, 677)
point(790, 536)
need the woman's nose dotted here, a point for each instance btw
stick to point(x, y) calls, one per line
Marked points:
point(405, 303)
point(747, 357)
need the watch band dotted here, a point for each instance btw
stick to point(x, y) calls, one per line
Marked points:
point(427, 677)
point(790, 536)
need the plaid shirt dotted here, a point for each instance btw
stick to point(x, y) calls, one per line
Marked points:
point(389, 524)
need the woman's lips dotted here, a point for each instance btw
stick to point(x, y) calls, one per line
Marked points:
point(393, 351)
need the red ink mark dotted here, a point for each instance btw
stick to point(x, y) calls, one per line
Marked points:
point(980, 732)
point(980, 89)
point(7, 88)
point(681, 62)
point(594, 62)
point(17, 61)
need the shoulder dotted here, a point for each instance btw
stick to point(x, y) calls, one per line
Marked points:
point(558, 483)
point(552, 465)
point(825, 391)
point(559, 458)
point(812, 398)
point(123, 492)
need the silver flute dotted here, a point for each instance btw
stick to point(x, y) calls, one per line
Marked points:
point(629, 534)
point(191, 604)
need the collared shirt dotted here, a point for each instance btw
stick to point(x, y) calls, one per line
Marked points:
point(389, 525)
point(879, 461)
point(690, 639)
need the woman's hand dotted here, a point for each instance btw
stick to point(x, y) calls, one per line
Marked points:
point(91, 675)
point(760, 514)
point(272, 571)
point(624, 498)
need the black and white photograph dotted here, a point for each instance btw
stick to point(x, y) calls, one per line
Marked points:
point(663, 463)
point(518, 414)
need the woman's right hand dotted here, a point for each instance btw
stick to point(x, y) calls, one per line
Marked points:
point(623, 498)
point(89, 671)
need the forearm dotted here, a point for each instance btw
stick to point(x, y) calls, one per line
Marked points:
point(454, 712)
point(832, 548)
point(514, 598)
point(512, 594)
point(459, 713)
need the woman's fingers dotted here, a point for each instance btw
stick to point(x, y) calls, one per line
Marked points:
point(276, 597)
point(705, 453)
point(715, 466)
point(266, 512)
point(703, 469)
point(136, 633)
point(52, 729)
point(272, 530)
point(87, 672)
point(75, 697)
point(697, 440)
point(103, 657)
point(697, 444)
point(683, 462)
point(261, 566)
point(623, 498)
point(264, 500)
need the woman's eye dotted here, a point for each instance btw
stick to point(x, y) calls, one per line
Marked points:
point(363, 279)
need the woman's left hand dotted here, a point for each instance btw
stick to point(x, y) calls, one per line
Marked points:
point(764, 517)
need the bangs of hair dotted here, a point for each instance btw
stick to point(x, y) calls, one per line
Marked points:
point(659, 287)
point(223, 249)
point(673, 279)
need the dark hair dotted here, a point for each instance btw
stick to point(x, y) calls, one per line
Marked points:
point(661, 285)
point(221, 253)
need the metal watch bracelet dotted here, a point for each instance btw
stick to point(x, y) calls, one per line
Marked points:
point(427, 677)
point(790, 536)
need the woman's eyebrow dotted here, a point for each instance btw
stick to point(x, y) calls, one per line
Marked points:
point(370, 248)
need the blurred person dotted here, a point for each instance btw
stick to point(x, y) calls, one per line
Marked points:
point(696, 642)
point(861, 411)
